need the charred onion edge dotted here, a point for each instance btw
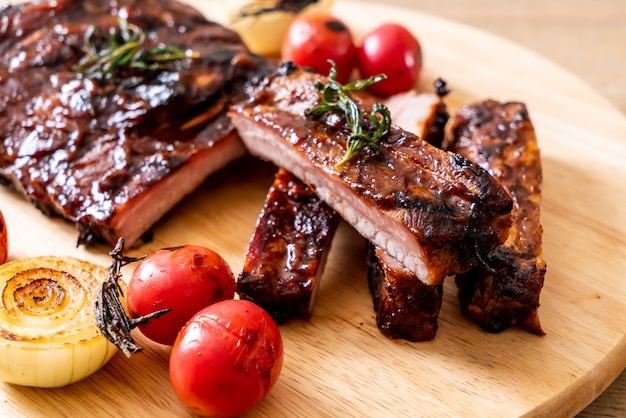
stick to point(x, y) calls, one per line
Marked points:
point(112, 319)
point(257, 9)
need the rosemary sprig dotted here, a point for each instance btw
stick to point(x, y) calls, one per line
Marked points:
point(111, 317)
point(335, 99)
point(123, 47)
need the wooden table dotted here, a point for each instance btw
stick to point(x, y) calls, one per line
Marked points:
point(587, 38)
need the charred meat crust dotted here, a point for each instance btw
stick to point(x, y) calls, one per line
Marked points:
point(501, 138)
point(405, 307)
point(286, 254)
point(86, 149)
point(434, 211)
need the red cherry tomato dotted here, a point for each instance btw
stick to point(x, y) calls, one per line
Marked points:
point(184, 279)
point(390, 49)
point(4, 240)
point(314, 38)
point(226, 359)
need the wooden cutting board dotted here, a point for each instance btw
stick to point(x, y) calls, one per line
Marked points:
point(337, 363)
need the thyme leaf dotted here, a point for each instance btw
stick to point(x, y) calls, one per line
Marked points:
point(123, 47)
point(111, 317)
point(335, 98)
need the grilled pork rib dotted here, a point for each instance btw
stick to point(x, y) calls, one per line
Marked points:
point(433, 211)
point(288, 249)
point(424, 114)
point(406, 308)
point(501, 138)
point(113, 155)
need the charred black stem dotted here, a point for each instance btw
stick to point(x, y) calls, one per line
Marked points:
point(111, 317)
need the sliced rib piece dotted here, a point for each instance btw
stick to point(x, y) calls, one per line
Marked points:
point(424, 114)
point(433, 211)
point(113, 155)
point(287, 252)
point(405, 307)
point(501, 138)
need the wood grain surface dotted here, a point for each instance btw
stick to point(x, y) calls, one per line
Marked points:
point(338, 364)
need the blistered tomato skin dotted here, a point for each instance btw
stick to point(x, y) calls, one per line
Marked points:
point(184, 279)
point(226, 359)
point(315, 38)
point(393, 50)
point(4, 240)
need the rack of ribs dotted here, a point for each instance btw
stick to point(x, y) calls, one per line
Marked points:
point(112, 155)
point(436, 212)
point(505, 290)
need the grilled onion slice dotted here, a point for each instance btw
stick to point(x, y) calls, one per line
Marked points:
point(262, 24)
point(48, 331)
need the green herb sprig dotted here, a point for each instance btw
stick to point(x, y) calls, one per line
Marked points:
point(335, 99)
point(123, 47)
